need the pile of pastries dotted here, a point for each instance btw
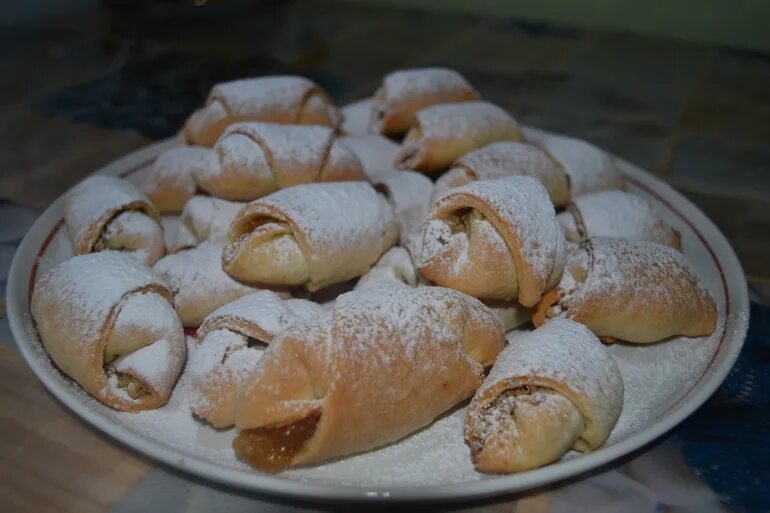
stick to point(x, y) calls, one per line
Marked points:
point(351, 274)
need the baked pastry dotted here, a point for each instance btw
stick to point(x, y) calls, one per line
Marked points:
point(404, 92)
point(384, 363)
point(230, 342)
point(511, 313)
point(616, 214)
point(313, 235)
point(589, 169)
point(356, 117)
point(204, 219)
point(199, 284)
point(630, 290)
point(106, 322)
point(284, 99)
point(494, 239)
point(394, 268)
point(409, 193)
point(252, 160)
point(551, 390)
point(442, 133)
point(106, 212)
point(376, 154)
point(170, 184)
point(501, 159)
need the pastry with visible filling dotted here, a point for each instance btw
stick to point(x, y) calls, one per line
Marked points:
point(105, 212)
point(494, 239)
point(107, 322)
point(551, 390)
point(311, 235)
point(384, 363)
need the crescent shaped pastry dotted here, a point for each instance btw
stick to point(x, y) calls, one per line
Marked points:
point(106, 212)
point(285, 99)
point(384, 363)
point(630, 290)
point(551, 390)
point(312, 235)
point(442, 133)
point(231, 340)
point(502, 159)
point(404, 92)
point(616, 214)
point(494, 239)
point(252, 160)
point(106, 322)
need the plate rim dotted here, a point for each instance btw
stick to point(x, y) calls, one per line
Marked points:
point(735, 328)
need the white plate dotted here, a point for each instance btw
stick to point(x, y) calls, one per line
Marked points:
point(664, 383)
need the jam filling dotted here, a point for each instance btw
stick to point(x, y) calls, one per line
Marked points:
point(273, 448)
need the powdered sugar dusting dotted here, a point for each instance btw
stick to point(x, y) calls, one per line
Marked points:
point(566, 353)
point(424, 81)
point(464, 120)
point(376, 154)
point(249, 95)
point(619, 214)
point(589, 168)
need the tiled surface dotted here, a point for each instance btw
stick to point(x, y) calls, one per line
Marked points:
point(90, 86)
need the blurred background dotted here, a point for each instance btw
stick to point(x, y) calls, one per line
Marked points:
point(681, 88)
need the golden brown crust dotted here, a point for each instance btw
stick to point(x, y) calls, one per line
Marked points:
point(514, 250)
point(405, 92)
point(634, 291)
point(291, 238)
point(387, 362)
point(501, 159)
point(442, 133)
point(252, 160)
point(272, 99)
point(76, 306)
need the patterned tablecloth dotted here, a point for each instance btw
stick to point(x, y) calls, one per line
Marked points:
point(715, 461)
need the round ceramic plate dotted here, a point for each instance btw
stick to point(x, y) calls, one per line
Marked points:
point(664, 382)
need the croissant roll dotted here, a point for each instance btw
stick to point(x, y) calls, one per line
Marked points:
point(231, 341)
point(394, 268)
point(199, 284)
point(105, 212)
point(442, 133)
point(494, 239)
point(170, 184)
point(313, 235)
point(616, 214)
point(283, 99)
point(409, 193)
point(405, 92)
point(106, 322)
point(551, 390)
point(589, 169)
point(252, 160)
point(502, 159)
point(204, 219)
point(376, 154)
point(384, 363)
point(630, 290)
